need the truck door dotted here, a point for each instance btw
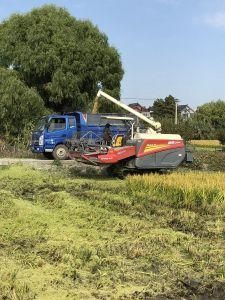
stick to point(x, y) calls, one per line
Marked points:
point(71, 127)
point(56, 132)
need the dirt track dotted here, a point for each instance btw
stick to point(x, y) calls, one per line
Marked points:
point(36, 163)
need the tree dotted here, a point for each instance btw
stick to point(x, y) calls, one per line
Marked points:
point(158, 108)
point(214, 112)
point(170, 104)
point(62, 57)
point(208, 121)
point(164, 108)
point(19, 105)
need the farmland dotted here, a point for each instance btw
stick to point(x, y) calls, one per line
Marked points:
point(65, 236)
point(205, 144)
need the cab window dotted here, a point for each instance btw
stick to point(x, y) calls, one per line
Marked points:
point(72, 123)
point(56, 124)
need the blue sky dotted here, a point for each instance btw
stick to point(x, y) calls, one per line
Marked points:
point(167, 46)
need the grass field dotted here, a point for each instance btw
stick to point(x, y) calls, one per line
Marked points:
point(147, 237)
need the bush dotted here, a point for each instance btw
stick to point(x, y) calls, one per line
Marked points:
point(19, 106)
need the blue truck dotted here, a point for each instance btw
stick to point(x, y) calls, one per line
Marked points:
point(52, 132)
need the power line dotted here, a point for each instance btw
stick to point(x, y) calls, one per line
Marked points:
point(141, 99)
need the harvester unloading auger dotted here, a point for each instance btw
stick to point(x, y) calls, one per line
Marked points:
point(148, 151)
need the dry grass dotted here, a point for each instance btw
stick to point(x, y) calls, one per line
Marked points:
point(205, 143)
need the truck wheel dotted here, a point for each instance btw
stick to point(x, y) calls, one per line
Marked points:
point(48, 155)
point(60, 152)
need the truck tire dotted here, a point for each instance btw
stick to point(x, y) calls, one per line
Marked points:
point(48, 155)
point(60, 152)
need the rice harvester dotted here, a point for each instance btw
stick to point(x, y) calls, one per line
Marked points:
point(147, 151)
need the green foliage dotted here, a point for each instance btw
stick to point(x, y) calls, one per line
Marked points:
point(220, 134)
point(202, 128)
point(208, 121)
point(192, 128)
point(158, 107)
point(19, 105)
point(213, 114)
point(164, 108)
point(62, 57)
point(184, 128)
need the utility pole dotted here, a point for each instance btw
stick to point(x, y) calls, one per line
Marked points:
point(176, 111)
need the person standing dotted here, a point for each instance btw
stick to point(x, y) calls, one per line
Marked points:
point(107, 134)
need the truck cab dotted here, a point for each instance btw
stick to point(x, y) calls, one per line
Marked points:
point(51, 132)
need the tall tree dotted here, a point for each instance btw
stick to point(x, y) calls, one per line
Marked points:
point(164, 108)
point(170, 104)
point(214, 114)
point(158, 108)
point(19, 105)
point(62, 57)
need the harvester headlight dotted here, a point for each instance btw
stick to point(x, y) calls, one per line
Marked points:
point(41, 140)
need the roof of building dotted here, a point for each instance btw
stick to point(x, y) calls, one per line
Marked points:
point(142, 108)
point(134, 104)
point(184, 106)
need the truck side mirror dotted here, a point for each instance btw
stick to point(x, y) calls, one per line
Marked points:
point(47, 126)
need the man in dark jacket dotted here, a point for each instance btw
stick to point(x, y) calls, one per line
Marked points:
point(107, 134)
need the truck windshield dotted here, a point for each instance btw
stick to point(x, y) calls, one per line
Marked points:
point(41, 124)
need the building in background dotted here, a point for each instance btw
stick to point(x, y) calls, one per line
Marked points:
point(142, 109)
point(185, 111)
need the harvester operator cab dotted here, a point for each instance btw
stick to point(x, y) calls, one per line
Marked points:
point(119, 139)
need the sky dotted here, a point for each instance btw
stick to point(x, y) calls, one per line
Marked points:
point(167, 47)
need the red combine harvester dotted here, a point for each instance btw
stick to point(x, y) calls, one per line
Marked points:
point(148, 151)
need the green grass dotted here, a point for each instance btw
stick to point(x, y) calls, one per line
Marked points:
point(68, 237)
